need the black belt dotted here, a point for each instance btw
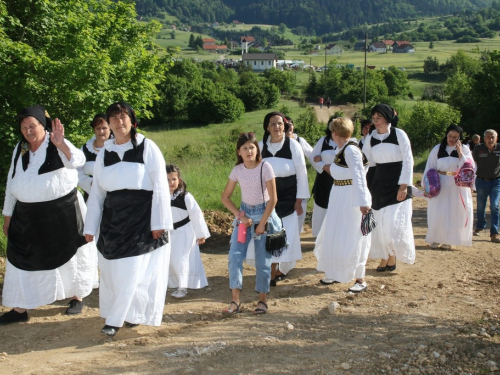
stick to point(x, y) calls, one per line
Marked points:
point(488, 179)
point(181, 223)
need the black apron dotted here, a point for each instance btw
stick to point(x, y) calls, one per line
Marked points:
point(126, 225)
point(45, 235)
point(286, 187)
point(323, 182)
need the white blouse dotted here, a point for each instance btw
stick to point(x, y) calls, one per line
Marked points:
point(317, 151)
point(288, 167)
point(28, 186)
point(150, 176)
point(390, 153)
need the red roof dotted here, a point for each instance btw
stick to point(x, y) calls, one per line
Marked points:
point(388, 42)
point(401, 42)
point(249, 39)
point(223, 46)
point(210, 46)
point(208, 40)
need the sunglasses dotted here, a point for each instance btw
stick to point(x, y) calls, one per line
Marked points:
point(247, 135)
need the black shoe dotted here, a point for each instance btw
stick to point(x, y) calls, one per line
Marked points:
point(391, 268)
point(280, 277)
point(109, 330)
point(75, 307)
point(273, 282)
point(130, 325)
point(381, 269)
point(14, 317)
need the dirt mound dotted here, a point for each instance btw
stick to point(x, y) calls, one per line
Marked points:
point(220, 225)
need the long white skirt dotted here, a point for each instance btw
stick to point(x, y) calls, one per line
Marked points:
point(318, 217)
point(186, 268)
point(341, 249)
point(450, 215)
point(133, 289)
point(31, 289)
point(302, 217)
point(393, 234)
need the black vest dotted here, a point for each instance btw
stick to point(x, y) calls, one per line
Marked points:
point(323, 182)
point(89, 156)
point(392, 138)
point(134, 155)
point(443, 154)
point(284, 153)
point(52, 161)
point(180, 202)
point(340, 158)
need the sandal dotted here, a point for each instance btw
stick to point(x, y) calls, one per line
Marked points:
point(258, 310)
point(231, 311)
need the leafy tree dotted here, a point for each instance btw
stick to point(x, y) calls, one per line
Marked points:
point(427, 123)
point(192, 40)
point(431, 45)
point(282, 28)
point(172, 34)
point(75, 57)
point(396, 81)
point(284, 80)
point(431, 65)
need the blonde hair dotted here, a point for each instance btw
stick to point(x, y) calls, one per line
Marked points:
point(342, 126)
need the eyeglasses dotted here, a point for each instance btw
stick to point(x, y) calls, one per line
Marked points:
point(247, 135)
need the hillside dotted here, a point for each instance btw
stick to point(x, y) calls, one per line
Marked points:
point(322, 16)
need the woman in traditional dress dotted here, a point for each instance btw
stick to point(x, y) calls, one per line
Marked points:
point(450, 214)
point(323, 182)
point(307, 149)
point(341, 248)
point(388, 150)
point(287, 159)
point(129, 205)
point(47, 256)
point(90, 149)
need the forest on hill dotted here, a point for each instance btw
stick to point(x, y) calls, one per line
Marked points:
point(318, 16)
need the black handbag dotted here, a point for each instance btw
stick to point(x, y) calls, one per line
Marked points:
point(276, 243)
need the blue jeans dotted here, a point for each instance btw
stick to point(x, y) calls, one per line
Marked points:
point(238, 252)
point(485, 189)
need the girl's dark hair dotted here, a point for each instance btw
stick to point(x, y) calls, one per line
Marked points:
point(172, 168)
point(242, 139)
point(267, 118)
point(328, 132)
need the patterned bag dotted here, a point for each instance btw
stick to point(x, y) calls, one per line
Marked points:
point(465, 175)
point(368, 223)
point(432, 183)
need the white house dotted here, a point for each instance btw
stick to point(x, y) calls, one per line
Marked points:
point(260, 61)
point(377, 47)
point(333, 49)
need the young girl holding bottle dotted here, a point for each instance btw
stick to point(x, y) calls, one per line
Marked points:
point(190, 231)
point(256, 214)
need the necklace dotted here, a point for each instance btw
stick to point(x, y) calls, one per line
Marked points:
point(274, 148)
point(95, 149)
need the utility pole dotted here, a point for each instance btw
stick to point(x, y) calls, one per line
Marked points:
point(324, 71)
point(364, 99)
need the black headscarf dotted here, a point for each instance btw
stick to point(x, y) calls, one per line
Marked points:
point(38, 112)
point(450, 128)
point(387, 112)
point(267, 118)
point(117, 107)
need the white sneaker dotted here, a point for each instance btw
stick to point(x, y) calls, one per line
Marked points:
point(326, 281)
point(358, 287)
point(446, 247)
point(434, 245)
point(179, 293)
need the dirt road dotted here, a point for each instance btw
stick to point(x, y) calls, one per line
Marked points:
point(438, 316)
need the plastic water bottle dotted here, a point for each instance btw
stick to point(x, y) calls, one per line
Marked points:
point(242, 233)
